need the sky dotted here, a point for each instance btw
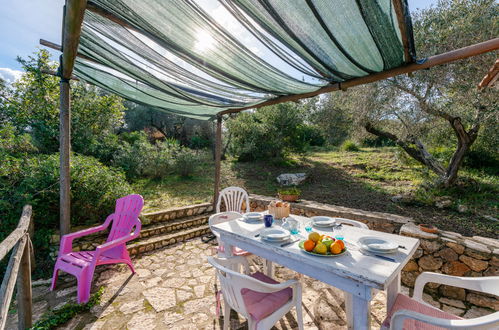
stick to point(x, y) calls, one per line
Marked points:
point(24, 22)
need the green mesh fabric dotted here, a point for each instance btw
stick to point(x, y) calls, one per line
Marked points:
point(179, 58)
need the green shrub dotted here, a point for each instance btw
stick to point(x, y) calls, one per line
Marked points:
point(349, 145)
point(94, 190)
point(289, 191)
point(186, 163)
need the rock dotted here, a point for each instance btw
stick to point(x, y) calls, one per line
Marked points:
point(475, 312)
point(142, 320)
point(132, 307)
point(494, 261)
point(288, 179)
point(491, 271)
point(452, 310)
point(430, 263)
point(418, 253)
point(487, 241)
point(411, 266)
point(483, 301)
point(429, 299)
point(448, 254)
point(409, 278)
point(453, 302)
point(160, 298)
point(474, 264)
point(455, 268)
point(443, 202)
point(411, 230)
point(199, 290)
point(452, 292)
point(462, 208)
point(458, 248)
point(491, 218)
point(397, 198)
point(477, 250)
point(430, 246)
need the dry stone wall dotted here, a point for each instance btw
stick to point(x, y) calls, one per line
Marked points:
point(444, 252)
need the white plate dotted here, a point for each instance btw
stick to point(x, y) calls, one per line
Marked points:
point(251, 215)
point(275, 234)
point(376, 244)
point(322, 221)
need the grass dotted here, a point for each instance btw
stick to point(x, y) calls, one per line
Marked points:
point(370, 176)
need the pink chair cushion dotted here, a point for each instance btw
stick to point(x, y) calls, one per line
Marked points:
point(260, 305)
point(404, 302)
point(235, 251)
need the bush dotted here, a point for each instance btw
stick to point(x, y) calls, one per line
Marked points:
point(349, 145)
point(269, 132)
point(94, 190)
point(139, 158)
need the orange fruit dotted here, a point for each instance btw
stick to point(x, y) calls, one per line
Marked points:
point(336, 247)
point(309, 245)
point(313, 236)
point(341, 243)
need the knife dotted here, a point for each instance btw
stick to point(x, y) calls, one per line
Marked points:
point(289, 243)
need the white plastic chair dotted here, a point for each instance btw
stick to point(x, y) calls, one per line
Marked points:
point(220, 218)
point(409, 313)
point(233, 198)
point(260, 299)
point(353, 223)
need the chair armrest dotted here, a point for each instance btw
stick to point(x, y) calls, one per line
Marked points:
point(483, 284)
point(484, 322)
point(66, 244)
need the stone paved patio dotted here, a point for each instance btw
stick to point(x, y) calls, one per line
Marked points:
point(174, 288)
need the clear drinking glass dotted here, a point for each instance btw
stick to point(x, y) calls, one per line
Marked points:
point(338, 232)
point(308, 226)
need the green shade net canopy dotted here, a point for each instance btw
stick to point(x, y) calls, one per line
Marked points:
point(199, 58)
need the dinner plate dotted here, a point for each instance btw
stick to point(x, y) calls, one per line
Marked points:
point(377, 244)
point(322, 221)
point(329, 254)
point(252, 217)
point(275, 234)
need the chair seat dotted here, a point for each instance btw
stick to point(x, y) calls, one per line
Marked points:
point(404, 302)
point(235, 251)
point(259, 304)
point(75, 262)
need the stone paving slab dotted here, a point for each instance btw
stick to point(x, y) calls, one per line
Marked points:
point(174, 288)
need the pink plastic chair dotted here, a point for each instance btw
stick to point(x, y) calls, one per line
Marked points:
point(82, 264)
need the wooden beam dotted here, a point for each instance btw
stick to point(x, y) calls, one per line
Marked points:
point(73, 19)
point(24, 292)
point(53, 73)
point(22, 228)
point(401, 20)
point(58, 47)
point(74, 10)
point(218, 159)
point(454, 55)
point(491, 77)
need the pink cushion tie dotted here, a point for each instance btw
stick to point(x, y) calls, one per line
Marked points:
point(259, 304)
point(235, 251)
point(405, 302)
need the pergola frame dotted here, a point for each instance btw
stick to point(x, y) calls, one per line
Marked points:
point(72, 22)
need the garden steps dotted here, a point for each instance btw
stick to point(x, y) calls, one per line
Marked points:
point(159, 241)
point(159, 229)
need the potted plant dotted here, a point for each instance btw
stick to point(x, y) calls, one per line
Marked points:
point(290, 194)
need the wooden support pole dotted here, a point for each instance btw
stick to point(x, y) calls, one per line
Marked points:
point(454, 55)
point(401, 20)
point(64, 158)
point(24, 293)
point(74, 11)
point(218, 159)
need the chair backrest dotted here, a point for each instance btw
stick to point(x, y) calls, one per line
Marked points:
point(233, 198)
point(353, 223)
point(222, 217)
point(125, 216)
point(233, 282)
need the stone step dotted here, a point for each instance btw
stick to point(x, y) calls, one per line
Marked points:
point(173, 225)
point(176, 213)
point(159, 241)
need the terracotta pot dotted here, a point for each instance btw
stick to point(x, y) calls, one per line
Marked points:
point(428, 228)
point(289, 198)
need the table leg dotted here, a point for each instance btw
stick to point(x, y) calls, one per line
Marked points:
point(349, 309)
point(358, 311)
point(391, 292)
point(269, 268)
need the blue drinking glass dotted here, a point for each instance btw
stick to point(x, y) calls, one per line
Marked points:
point(268, 219)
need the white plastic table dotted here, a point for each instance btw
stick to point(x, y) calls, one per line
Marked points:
point(353, 272)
